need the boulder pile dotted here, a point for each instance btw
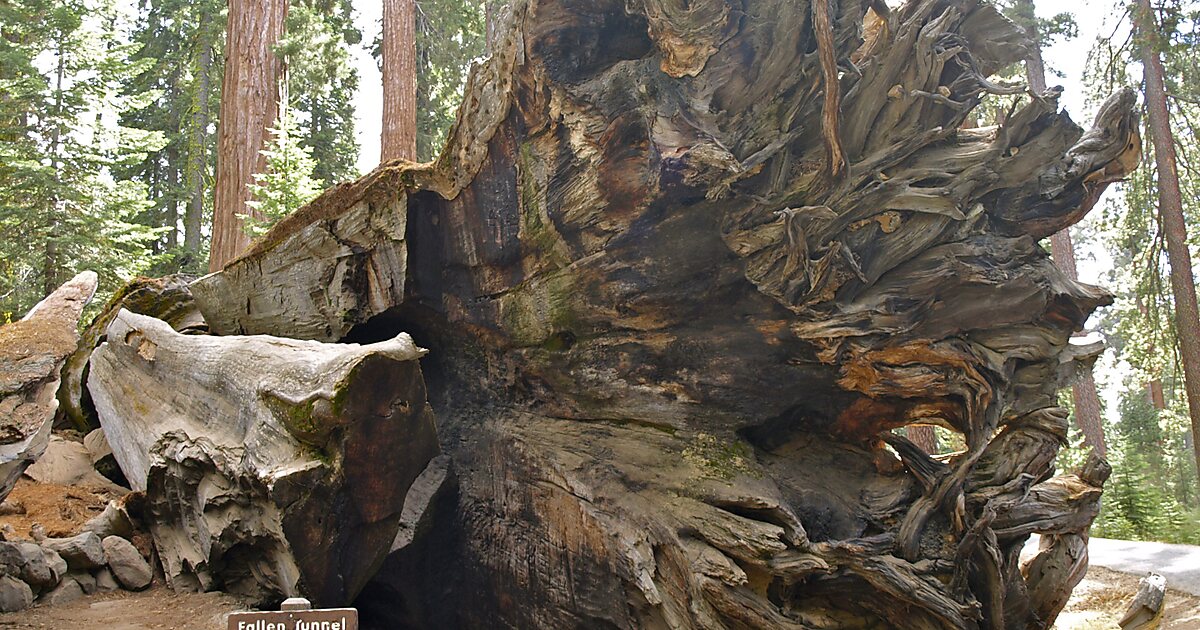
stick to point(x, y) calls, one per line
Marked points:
point(59, 570)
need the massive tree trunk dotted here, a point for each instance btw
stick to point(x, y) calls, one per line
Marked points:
point(678, 297)
point(1170, 209)
point(399, 135)
point(249, 106)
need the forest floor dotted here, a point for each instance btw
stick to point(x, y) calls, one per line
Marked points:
point(1098, 601)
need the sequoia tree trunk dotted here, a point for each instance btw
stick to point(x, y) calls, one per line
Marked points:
point(1170, 208)
point(249, 107)
point(671, 339)
point(399, 136)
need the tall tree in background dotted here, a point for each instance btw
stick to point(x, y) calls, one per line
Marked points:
point(450, 34)
point(1083, 393)
point(249, 106)
point(178, 41)
point(1170, 207)
point(399, 136)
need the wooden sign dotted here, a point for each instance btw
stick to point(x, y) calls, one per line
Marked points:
point(296, 615)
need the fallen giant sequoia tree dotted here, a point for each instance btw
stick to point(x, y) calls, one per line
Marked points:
point(683, 268)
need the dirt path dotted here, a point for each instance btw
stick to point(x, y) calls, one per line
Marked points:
point(154, 609)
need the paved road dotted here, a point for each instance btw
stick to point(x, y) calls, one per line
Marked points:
point(1180, 564)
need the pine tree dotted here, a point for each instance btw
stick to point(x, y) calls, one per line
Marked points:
point(322, 82)
point(179, 40)
point(451, 34)
point(1170, 208)
point(61, 209)
point(288, 182)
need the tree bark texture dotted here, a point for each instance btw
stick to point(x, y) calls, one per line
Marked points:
point(193, 214)
point(399, 136)
point(32, 352)
point(1170, 208)
point(670, 341)
point(168, 299)
point(272, 467)
point(249, 107)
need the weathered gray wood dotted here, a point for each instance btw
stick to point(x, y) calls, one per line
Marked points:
point(670, 337)
point(32, 352)
point(1146, 609)
point(319, 281)
point(168, 299)
point(272, 467)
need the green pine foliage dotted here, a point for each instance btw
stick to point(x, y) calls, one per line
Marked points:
point(450, 37)
point(322, 82)
point(289, 181)
point(63, 68)
point(179, 55)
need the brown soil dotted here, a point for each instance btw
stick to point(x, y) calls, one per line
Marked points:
point(62, 510)
point(1102, 597)
point(154, 609)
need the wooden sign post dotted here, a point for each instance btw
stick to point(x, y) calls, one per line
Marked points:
point(296, 614)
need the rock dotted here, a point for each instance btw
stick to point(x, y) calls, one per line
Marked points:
point(263, 459)
point(83, 551)
point(37, 532)
point(29, 562)
point(113, 521)
point(67, 591)
point(11, 507)
point(32, 352)
point(58, 566)
point(97, 445)
point(127, 565)
point(86, 581)
point(67, 463)
point(15, 595)
point(105, 581)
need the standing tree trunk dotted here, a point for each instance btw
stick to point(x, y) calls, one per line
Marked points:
point(1170, 208)
point(197, 154)
point(249, 106)
point(399, 136)
point(1083, 392)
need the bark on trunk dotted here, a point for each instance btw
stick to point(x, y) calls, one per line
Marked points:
point(670, 343)
point(399, 136)
point(1170, 208)
point(272, 467)
point(198, 155)
point(32, 352)
point(249, 106)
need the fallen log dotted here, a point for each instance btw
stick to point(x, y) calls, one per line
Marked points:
point(168, 299)
point(32, 352)
point(272, 467)
point(670, 339)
